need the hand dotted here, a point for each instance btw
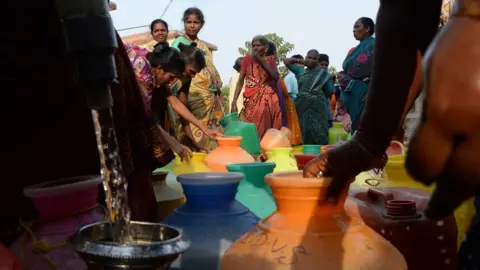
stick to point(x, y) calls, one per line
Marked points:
point(182, 151)
point(234, 106)
point(200, 146)
point(212, 133)
point(342, 164)
point(446, 146)
point(255, 56)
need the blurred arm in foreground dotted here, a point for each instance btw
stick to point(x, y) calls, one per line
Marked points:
point(446, 146)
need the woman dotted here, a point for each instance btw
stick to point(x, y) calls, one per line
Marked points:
point(195, 61)
point(154, 73)
point(150, 76)
point(259, 74)
point(159, 30)
point(233, 85)
point(272, 51)
point(314, 86)
point(204, 97)
point(358, 69)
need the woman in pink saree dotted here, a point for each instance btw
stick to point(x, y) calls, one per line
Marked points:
point(259, 74)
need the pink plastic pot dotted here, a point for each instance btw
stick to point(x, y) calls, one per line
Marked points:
point(64, 197)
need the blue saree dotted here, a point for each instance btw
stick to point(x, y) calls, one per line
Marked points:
point(358, 69)
point(313, 87)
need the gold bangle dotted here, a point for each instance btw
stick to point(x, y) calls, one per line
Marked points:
point(466, 8)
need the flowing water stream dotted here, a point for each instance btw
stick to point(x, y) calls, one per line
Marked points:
point(114, 182)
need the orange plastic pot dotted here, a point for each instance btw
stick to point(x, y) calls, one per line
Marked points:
point(306, 234)
point(228, 152)
point(274, 138)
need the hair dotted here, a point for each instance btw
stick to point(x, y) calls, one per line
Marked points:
point(323, 57)
point(314, 51)
point(298, 56)
point(191, 55)
point(368, 23)
point(237, 66)
point(169, 59)
point(263, 40)
point(152, 25)
point(194, 11)
point(272, 49)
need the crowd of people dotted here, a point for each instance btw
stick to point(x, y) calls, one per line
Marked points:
point(319, 98)
point(49, 133)
point(181, 87)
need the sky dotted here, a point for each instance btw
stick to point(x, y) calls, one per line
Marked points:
point(309, 24)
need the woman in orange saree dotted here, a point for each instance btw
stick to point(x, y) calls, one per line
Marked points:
point(261, 103)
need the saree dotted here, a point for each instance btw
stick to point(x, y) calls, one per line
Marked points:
point(358, 69)
point(205, 99)
point(281, 102)
point(291, 114)
point(261, 104)
point(154, 99)
point(313, 87)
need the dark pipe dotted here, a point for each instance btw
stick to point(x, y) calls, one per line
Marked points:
point(90, 39)
point(404, 27)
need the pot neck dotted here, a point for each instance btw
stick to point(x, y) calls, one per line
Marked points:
point(211, 200)
point(338, 125)
point(210, 194)
point(228, 119)
point(229, 142)
point(281, 151)
point(254, 172)
point(306, 202)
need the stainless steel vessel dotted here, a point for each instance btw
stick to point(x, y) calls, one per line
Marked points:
point(154, 246)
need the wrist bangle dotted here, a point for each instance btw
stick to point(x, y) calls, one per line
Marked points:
point(466, 8)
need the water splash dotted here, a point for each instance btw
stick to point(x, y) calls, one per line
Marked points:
point(114, 182)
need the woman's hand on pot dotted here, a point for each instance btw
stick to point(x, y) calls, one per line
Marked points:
point(342, 164)
point(213, 134)
point(182, 151)
point(446, 147)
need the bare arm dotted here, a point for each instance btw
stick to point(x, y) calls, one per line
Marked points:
point(295, 69)
point(183, 97)
point(179, 107)
point(272, 72)
point(288, 61)
point(171, 141)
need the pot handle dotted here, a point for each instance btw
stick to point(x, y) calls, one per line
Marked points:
point(399, 144)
